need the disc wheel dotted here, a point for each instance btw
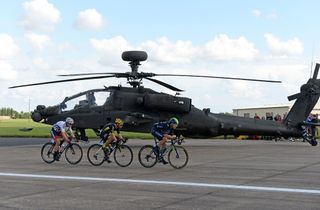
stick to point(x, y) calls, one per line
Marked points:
point(73, 153)
point(47, 152)
point(147, 157)
point(95, 154)
point(123, 155)
point(178, 157)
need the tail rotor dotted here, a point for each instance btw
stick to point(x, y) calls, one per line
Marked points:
point(311, 88)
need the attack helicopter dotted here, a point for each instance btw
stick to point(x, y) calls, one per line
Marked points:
point(141, 107)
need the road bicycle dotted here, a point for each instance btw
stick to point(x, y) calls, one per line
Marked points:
point(177, 155)
point(72, 151)
point(122, 153)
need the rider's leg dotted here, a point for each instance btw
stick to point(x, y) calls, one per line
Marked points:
point(109, 141)
point(106, 145)
point(162, 149)
point(162, 142)
point(57, 145)
point(55, 136)
point(104, 140)
point(56, 149)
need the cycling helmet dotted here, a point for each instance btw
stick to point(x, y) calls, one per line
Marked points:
point(174, 120)
point(69, 121)
point(118, 121)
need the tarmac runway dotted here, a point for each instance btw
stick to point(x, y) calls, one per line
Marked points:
point(221, 174)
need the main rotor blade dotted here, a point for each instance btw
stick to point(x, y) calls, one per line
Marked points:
point(217, 77)
point(164, 84)
point(316, 71)
point(59, 81)
point(84, 74)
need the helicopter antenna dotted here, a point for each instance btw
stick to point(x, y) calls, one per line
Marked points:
point(312, 57)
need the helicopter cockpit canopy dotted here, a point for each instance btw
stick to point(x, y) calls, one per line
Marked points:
point(86, 99)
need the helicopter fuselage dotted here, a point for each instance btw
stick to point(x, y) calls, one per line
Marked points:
point(141, 107)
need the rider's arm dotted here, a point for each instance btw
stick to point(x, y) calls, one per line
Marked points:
point(72, 133)
point(64, 136)
point(168, 136)
point(119, 136)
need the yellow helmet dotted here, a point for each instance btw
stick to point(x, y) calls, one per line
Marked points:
point(118, 121)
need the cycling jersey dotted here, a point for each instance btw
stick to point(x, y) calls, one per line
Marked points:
point(108, 129)
point(158, 130)
point(58, 128)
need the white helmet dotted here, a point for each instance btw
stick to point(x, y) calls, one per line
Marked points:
point(69, 121)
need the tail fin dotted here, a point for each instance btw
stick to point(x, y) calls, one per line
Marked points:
point(306, 100)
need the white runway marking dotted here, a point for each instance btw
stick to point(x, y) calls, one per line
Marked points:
point(155, 182)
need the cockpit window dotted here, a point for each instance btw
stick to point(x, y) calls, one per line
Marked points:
point(101, 97)
point(89, 99)
point(74, 103)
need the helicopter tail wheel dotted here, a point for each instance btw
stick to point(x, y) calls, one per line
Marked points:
point(313, 142)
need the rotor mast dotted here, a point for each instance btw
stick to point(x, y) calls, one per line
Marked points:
point(134, 58)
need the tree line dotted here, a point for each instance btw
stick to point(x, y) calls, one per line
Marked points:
point(5, 111)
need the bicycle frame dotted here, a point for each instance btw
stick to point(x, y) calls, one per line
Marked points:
point(177, 155)
point(172, 146)
point(113, 145)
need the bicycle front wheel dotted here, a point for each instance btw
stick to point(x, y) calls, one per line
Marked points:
point(147, 157)
point(73, 153)
point(95, 154)
point(178, 157)
point(47, 152)
point(123, 155)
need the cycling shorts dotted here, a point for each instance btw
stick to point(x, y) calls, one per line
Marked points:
point(55, 133)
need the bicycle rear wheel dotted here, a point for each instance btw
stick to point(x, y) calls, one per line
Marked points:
point(73, 153)
point(178, 157)
point(147, 157)
point(123, 155)
point(47, 152)
point(95, 154)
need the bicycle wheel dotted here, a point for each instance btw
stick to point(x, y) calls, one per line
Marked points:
point(178, 157)
point(47, 152)
point(95, 154)
point(73, 153)
point(147, 157)
point(123, 155)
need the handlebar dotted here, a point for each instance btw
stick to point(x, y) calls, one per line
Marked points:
point(178, 140)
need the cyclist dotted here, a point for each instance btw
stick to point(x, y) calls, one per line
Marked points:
point(163, 131)
point(61, 129)
point(110, 133)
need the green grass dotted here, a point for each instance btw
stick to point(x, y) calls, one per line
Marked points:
point(10, 128)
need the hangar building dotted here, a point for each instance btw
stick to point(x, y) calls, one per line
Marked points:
point(268, 110)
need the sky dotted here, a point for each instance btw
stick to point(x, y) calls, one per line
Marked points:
point(275, 40)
